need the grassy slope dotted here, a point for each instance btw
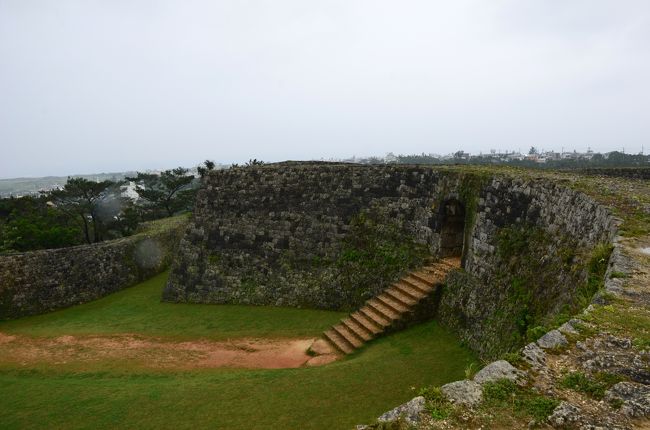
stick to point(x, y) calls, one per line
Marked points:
point(340, 395)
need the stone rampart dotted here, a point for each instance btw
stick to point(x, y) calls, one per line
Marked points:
point(41, 281)
point(260, 236)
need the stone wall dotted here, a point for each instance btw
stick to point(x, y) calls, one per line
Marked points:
point(41, 281)
point(527, 261)
point(260, 235)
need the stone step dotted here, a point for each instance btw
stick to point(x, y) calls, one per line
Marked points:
point(417, 284)
point(423, 279)
point(434, 275)
point(392, 304)
point(382, 309)
point(409, 290)
point(404, 299)
point(338, 341)
point(371, 326)
point(377, 318)
point(362, 332)
point(352, 338)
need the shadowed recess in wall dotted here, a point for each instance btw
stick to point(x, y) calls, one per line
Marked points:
point(452, 232)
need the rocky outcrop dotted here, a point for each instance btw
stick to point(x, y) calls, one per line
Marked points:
point(534, 355)
point(552, 340)
point(466, 393)
point(409, 412)
point(41, 281)
point(498, 370)
point(634, 398)
point(565, 415)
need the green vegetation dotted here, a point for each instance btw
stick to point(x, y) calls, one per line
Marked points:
point(139, 310)
point(532, 263)
point(86, 211)
point(627, 198)
point(618, 275)
point(528, 271)
point(29, 223)
point(340, 395)
point(504, 405)
point(613, 159)
point(167, 193)
point(96, 204)
point(436, 403)
point(515, 359)
point(594, 387)
point(470, 188)
point(505, 395)
point(596, 268)
point(376, 252)
point(621, 319)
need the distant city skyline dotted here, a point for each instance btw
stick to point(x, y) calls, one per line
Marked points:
point(120, 86)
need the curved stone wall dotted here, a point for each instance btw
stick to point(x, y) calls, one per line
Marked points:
point(41, 281)
point(529, 249)
point(256, 231)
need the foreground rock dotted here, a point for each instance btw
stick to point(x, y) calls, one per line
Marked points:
point(570, 327)
point(466, 393)
point(552, 340)
point(500, 369)
point(565, 415)
point(635, 398)
point(534, 355)
point(611, 354)
point(409, 412)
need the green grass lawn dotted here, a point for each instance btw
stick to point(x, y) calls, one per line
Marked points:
point(338, 396)
point(139, 310)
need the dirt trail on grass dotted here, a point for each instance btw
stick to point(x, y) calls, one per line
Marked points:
point(153, 352)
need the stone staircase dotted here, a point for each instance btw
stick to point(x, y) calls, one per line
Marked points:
point(388, 308)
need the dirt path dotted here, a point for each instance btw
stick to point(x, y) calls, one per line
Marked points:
point(154, 352)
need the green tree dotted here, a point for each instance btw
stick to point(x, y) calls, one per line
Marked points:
point(254, 162)
point(171, 191)
point(82, 199)
point(29, 223)
point(208, 165)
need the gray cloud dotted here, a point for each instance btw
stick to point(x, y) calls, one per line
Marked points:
point(103, 86)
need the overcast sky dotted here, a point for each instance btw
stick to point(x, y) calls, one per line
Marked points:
point(91, 86)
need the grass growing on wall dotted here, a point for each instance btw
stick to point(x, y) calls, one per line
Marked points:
point(375, 252)
point(469, 191)
point(530, 263)
point(337, 396)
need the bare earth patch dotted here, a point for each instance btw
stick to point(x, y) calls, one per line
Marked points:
point(154, 352)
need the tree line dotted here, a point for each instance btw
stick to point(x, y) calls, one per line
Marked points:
point(84, 211)
point(613, 159)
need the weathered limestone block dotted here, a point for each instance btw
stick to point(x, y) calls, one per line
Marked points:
point(465, 392)
point(409, 411)
point(553, 339)
point(499, 369)
point(635, 398)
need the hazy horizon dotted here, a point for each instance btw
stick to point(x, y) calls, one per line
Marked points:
point(90, 86)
